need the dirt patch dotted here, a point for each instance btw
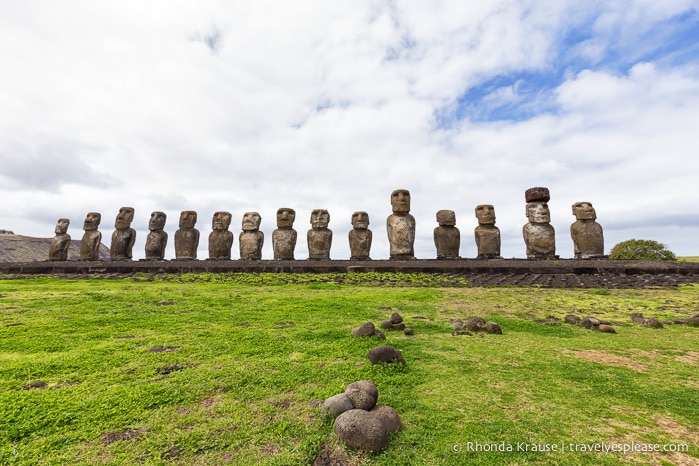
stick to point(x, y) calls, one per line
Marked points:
point(164, 349)
point(692, 357)
point(128, 434)
point(329, 457)
point(172, 453)
point(608, 359)
point(171, 368)
point(270, 450)
point(38, 385)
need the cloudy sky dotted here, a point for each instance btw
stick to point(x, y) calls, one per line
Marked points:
point(256, 105)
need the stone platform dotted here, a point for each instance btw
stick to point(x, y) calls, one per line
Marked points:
point(491, 272)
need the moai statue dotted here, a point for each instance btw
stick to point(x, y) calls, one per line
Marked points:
point(61, 242)
point(156, 241)
point(588, 241)
point(360, 237)
point(400, 226)
point(187, 237)
point(447, 237)
point(487, 234)
point(251, 238)
point(319, 237)
point(220, 239)
point(123, 237)
point(284, 237)
point(539, 235)
point(90, 244)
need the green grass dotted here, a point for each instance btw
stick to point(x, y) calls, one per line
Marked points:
point(225, 369)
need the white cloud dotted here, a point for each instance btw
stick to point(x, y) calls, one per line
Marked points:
point(258, 105)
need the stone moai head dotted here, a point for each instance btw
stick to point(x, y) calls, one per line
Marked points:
point(320, 218)
point(485, 213)
point(92, 221)
point(62, 226)
point(285, 218)
point(221, 220)
point(584, 211)
point(446, 218)
point(251, 221)
point(538, 212)
point(360, 220)
point(124, 218)
point(157, 221)
point(188, 218)
point(400, 201)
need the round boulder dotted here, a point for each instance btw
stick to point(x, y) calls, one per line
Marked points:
point(361, 399)
point(604, 328)
point(337, 404)
point(493, 328)
point(408, 331)
point(475, 323)
point(387, 354)
point(388, 417)
point(361, 429)
point(367, 385)
point(572, 319)
point(366, 330)
point(386, 324)
point(396, 318)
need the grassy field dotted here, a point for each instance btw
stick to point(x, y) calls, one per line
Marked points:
point(227, 369)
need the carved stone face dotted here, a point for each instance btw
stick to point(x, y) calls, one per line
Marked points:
point(360, 220)
point(92, 221)
point(221, 221)
point(251, 221)
point(62, 226)
point(320, 218)
point(485, 214)
point(538, 212)
point(400, 201)
point(157, 221)
point(446, 218)
point(285, 217)
point(124, 218)
point(188, 218)
point(584, 211)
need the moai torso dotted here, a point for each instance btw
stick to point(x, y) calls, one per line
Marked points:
point(90, 244)
point(360, 237)
point(251, 239)
point(487, 235)
point(58, 251)
point(187, 237)
point(220, 238)
point(588, 239)
point(447, 238)
point(319, 238)
point(400, 226)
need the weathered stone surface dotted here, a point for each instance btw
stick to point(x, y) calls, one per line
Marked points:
point(386, 324)
point(572, 319)
point(447, 237)
point(400, 227)
point(387, 354)
point(588, 239)
point(457, 324)
point(388, 417)
point(637, 318)
point(538, 194)
point(124, 236)
point(604, 328)
point(367, 385)
point(284, 237)
point(187, 237)
point(337, 404)
point(652, 322)
point(58, 251)
point(585, 322)
point(539, 235)
point(475, 323)
point(486, 233)
point(90, 244)
point(361, 399)
point(396, 318)
point(408, 331)
point(361, 429)
point(251, 239)
point(360, 237)
point(156, 241)
point(493, 328)
point(366, 330)
point(378, 333)
point(220, 239)
point(319, 237)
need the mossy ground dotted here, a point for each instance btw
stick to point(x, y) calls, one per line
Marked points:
point(227, 369)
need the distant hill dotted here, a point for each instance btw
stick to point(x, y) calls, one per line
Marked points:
point(18, 248)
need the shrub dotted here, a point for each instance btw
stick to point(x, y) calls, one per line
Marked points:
point(643, 249)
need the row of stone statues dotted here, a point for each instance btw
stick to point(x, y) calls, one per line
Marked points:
point(539, 235)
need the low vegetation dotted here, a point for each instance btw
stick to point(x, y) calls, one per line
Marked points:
point(642, 249)
point(229, 368)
